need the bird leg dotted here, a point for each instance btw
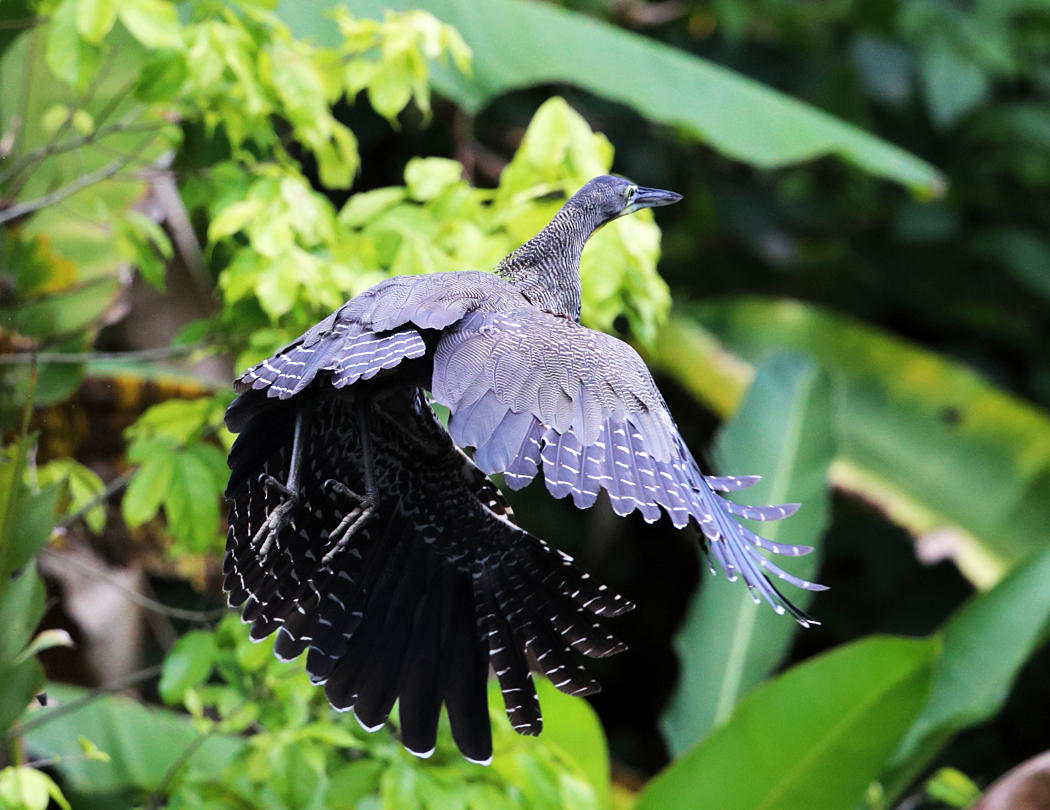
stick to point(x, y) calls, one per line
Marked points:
point(364, 507)
point(280, 515)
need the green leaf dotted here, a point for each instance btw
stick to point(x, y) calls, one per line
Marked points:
point(34, 518)
point(727, 644)
point(926, 438)
point(572, 725)
point(734, 114)
point(25, 788)
point(46, 640)
point(815, 737)
point(278, 288)
point(21, 608)
point(83, 486)
point(985, 644)
point(390, 90)
point(148, 488)
point(953, 84)
point(142, 743)
point(92, 751)
point(70, 57)
point(952, 787)
point(154, 23)
point(351, 783)
point(192, 504)
point(187, 665)
point(300, 778)
point(234, 218)
point(426, 178)
point(95, 18)
point(366, 206)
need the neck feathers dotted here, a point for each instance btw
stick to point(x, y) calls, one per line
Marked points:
point(546, 269)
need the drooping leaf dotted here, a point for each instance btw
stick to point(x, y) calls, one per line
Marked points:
point(985, 644)
point(148, 487)
point(734, 114)
point(727, 644)
point(813, 737)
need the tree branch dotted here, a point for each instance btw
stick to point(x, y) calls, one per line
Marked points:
point(57, 148)
point(77, 358)
point(140, 599)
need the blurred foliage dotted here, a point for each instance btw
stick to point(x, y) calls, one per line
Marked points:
point(279, 157)
point(299, 753)
point(781, 426)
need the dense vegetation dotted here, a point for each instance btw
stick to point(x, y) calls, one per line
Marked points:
point(186, 186)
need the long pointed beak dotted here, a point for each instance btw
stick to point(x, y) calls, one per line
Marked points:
point(651, 198)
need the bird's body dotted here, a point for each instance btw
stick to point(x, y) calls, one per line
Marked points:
point(383, 512)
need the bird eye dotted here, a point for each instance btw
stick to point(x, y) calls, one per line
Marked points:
point(628, 193)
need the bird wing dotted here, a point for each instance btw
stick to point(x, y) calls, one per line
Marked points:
point(375, 330)
point(526, 388)
point(434, 588)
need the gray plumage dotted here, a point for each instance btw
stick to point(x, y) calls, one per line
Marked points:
point(527, 387)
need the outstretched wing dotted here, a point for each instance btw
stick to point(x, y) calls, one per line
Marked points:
point(375, 330)
point(526, 388)
point(438, 585)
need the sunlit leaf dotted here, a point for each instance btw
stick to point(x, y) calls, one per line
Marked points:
point(69, 55)
point(426, 178)
point(154, 23)
point(25, 788)
point(95, 18)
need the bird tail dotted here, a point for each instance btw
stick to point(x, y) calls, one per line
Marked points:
point(434, 588)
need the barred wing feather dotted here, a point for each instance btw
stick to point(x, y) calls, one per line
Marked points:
point(528, 389)
point(376, 330)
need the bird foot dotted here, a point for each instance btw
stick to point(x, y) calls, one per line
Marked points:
point(279, 517)
point(364, 508)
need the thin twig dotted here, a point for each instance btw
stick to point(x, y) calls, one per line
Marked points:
point(81, 103)
point(44, 717)
point(78, 358)
point(68, 190)
point(57, 148)
point(140, 599)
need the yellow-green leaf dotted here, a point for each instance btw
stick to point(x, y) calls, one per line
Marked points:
point(148, 489)
point(154, 23)
point(95, 18)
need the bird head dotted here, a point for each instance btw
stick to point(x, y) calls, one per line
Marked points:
point(607, 197)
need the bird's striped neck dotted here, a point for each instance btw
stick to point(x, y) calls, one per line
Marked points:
point(546, 269)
